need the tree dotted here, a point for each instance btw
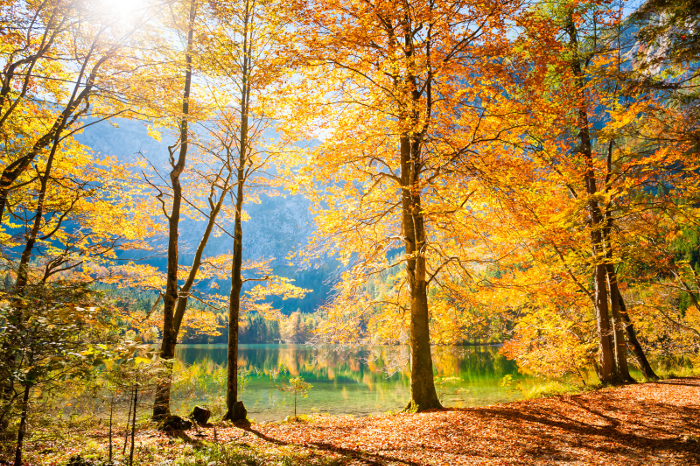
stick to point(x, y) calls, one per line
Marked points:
point(61, 336)
point(81, 44)
point(400, 94)
point(622, 170)
point(161, 403)
point(298, 387)
point(246, 41)
point(71, 216)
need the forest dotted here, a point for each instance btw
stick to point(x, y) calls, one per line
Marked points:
point(355, 174)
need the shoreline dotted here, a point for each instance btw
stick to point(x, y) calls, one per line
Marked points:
point(637, 424)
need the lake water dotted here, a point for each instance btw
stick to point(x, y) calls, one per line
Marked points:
point(355, 382)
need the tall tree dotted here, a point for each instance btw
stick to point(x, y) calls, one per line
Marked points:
point(177, 159)
point(53, 194)
point(245, 51)
point(602, 165)
point(399, 94)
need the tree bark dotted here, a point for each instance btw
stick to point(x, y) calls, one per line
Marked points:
point(233, 412)
point(161, 403)
point(619, 344)
point(415, 115)
point(423, 393)
point(133, 427)
point(606, 360)
point(111, 410)
point(22, 426)
point(621, 320)
point(618, 326)
point(637, 350)
point(234, 408)
point(126, 429)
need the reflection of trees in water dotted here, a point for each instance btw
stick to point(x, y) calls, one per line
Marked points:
point(367, 365)
point(359, 380)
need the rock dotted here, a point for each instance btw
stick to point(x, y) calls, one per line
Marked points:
point(200, 415)
point(239, 412)
point(172, 423)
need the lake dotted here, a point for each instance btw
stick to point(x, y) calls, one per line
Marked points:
point(356, 382)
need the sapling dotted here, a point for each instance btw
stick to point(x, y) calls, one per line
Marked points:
point(297, 386)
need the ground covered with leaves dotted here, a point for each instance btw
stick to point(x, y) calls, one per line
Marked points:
point(644, 424)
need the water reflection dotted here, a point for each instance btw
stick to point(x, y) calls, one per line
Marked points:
point(345, 381)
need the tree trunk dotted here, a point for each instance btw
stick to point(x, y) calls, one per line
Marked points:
point(637, 350)
point(235, 411)
point(233, 414)
point(161, 403)
point(423, 393)
point(618, 326)
point(25, 258)
point(621, 320)
point(111, 410)
point(22, 426)
point(22, 279)
point(606, 360)
point(133, 427)
point(126, 429)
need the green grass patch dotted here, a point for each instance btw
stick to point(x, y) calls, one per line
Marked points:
point(679, 372)
point(553, 388)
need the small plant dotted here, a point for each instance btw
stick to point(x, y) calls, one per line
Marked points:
point(552, 388)
point(509, 384)
point(297, 386)
point(506, 381)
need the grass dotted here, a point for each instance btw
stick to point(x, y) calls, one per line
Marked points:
point(678, 372)
point(554, 388)
point(245, 455)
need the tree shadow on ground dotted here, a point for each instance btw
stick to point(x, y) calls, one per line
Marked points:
point(368, 458)
point(642, 424)
point(609, 428)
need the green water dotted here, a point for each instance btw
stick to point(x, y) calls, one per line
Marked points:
point(357, 382)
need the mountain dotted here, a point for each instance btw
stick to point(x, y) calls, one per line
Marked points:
point(277, 225)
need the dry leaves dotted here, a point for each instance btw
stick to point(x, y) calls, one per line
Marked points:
point(651, 423)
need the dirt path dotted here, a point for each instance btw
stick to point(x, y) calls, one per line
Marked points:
point(645, 424)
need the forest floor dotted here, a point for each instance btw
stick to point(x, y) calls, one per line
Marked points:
point(642, 424)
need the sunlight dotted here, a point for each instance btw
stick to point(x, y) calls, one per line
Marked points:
point(123, 9)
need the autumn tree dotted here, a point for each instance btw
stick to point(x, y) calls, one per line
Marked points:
point(607, 164)
point(245, 51)
point(63, 209)
point(399, 94)
point(177, 160)
point(82, 44)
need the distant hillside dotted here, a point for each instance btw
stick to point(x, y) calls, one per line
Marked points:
point(277, 225)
